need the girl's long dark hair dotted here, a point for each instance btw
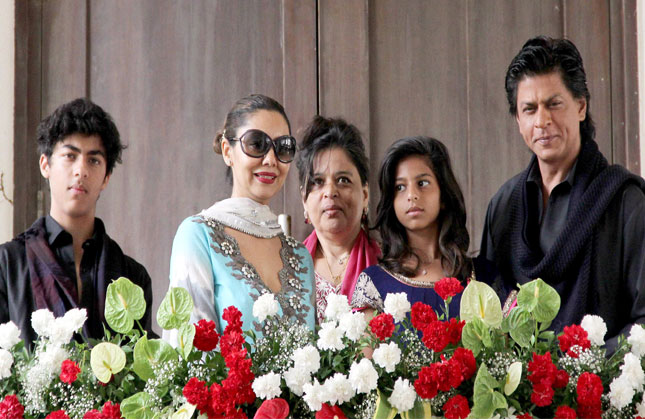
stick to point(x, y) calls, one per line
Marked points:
point(453, 235)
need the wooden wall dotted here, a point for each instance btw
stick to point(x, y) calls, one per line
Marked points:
point(169, 70)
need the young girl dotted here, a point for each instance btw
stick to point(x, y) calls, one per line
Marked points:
point(422, 221)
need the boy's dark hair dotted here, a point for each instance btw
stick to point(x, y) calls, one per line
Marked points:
point(80, 116)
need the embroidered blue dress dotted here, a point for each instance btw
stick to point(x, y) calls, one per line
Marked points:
point(375, 282)
point(207, 262)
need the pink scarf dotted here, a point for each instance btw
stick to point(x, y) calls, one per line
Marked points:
point(364, 253)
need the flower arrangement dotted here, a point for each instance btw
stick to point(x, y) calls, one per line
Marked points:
point(410, 360)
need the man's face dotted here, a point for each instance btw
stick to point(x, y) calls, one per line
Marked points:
point(77, 174)
point(549, 117)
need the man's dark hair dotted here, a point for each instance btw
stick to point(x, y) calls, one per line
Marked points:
point(543, 55)
point(80, 116)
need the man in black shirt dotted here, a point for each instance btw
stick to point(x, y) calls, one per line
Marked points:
point(66, 260)
point(569, 218)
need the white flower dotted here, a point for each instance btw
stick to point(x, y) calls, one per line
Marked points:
point(41, 321)
point(265, 306)
point(60, 332)
point(9, 335)
point(640, 408)
point(336, 306)
point(596, 329)
point(330, 337)
point(6, 361)
point(52, 358)
point(338, 389)
point(314, 395)
point(296, 379)
point(387, 356)
point(75, 318)
point(397, 305)
point(403, 395)
point(620, 393)
point(354, 324)
point(267, 386)
point(363, 376)
point(307, 359)
point(637, 340)
point(633, 373)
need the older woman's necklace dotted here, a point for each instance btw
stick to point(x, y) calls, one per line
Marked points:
point(342, 261)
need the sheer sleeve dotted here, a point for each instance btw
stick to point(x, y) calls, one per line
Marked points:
point(366, 295)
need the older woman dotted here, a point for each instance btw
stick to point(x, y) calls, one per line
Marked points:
point(333, 172)
point(235, 251)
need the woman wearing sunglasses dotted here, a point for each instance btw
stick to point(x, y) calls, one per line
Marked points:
point(235, 251)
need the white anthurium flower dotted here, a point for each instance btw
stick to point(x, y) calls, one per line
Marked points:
point(387, 356)
point(9, 335)
point(265, 306)
point(397, 305)
point(353, 324)
point(596, 329)
point(363, 377)
point(337, 305)
point(403, 395)
point(267, 386)
point(306, 359)
point(513, 377)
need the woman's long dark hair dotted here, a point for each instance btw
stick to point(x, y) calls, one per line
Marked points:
point(453, 235)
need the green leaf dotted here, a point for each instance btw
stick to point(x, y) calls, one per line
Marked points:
point(175, 308)
point(185, 339)
point(383, 408)
point(520, 326)
point(124, 303)
point(513, 377)
point(106, 359)
point(486, 398)
point(539, 299)
point(137, 406)
point(479, 301)
point(151, 353)
point(474, 334)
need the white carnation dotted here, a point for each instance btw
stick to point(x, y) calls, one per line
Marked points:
point(338, 389)
point(596, 329)
point(633, 373)
point(363, 376)
point(397, 305)
point(51, 359)
point(42, 321)
point(387, 356)
point(637, 340)
point(296, 379)
point(75, 318)
point(620, 393)
point(403, 395)
point(9, 335)
point(267, 386)
point(307, 359)
point(330, 337)
point(6, 361)
point(265, 306)
point(60, 332)
point(336, 306)
point(314, 395)
point(353, 324)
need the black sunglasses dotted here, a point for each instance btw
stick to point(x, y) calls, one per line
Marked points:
point(257, 143)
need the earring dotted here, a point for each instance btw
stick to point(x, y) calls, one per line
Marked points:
point(306, 217)
point(366, 210)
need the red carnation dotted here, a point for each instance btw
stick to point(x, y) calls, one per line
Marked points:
point(448, 287)
point(330, 412)
point(234, 318)
point(206, 336)
point(275, 408)
point(573, 335)
point(466, 361)
point(93, 414)
point(230, 342)
point(111, 411)
point(456, 408)
point(589, 389)
point(59, 414)
point(10, 408)
point(447, 375)
point(425, 385)
point(542, 395)
point(382, 326)
point(524, 416)
point(435, 336)
point(454, 331)
point(565, 412)
point(196, 393)
point(422, 315)
point(561, 379)
point(589, 411)
point(542, 369)
point(69, 371)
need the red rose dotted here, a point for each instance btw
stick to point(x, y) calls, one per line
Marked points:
point(448, 287)
point(589, 411)
point(196, 393)
point(69, 371)
point(421, 315)
point(542, 395)
point(565, 412)
point(573, 335)
point(93, 414)
point(456, 408)
point(466, 362)
point(525, 416)
point(234, 319)
point(382, 326)
point(435, 336)
point(425, 385)
point(330, 412)
point(542, 369)
point(59, 414)
point(230, 342)
point(276, 408)
point(10, 408)
point(561, 379)
point(454, 331)
point(206, 336)
point(589, 389)
point(111, 411)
